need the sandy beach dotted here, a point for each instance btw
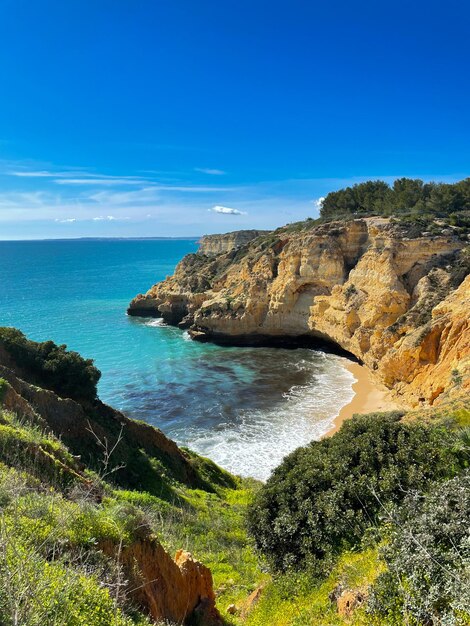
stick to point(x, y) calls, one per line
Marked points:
point(368, 398)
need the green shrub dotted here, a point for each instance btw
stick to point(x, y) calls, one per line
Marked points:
point(428, 559)
point(51, 366)
point(322, 497)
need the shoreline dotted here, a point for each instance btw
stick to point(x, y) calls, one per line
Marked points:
point(368, 397)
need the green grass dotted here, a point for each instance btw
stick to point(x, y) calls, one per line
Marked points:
point(454, 413)
point(296, 599)
point(212, 527)
point(50, 569)
point(48, 513)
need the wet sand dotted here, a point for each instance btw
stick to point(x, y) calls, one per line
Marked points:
point(368, 398)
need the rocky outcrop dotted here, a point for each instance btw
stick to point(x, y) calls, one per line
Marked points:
point(175, 590)
point(349, 601)
point(398, 304)
point(211, 245)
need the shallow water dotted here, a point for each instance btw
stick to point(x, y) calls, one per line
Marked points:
point(245, 408)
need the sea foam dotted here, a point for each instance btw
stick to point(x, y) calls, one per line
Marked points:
point(260, 439)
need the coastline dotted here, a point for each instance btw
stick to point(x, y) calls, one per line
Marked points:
point(368, 397)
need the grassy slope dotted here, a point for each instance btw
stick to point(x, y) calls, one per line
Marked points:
point(50, 521)
point(50, 506)
point(292, 600)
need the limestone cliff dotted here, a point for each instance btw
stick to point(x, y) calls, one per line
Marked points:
point(399, 304)
point(210, 245)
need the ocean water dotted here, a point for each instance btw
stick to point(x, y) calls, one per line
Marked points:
point(245, 408)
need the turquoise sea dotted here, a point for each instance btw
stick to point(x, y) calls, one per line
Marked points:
point(245, 408)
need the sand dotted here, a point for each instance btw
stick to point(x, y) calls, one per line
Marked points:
point(368, 398)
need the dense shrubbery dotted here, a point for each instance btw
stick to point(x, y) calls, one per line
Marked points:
point(324, 496)
point(428, 558)
point(406, 195)
point(52, 366)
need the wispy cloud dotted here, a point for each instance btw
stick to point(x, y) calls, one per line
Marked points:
point(109, 218)
point(77, 176)
point(150, 193)
point(134, 197)
point(194, 188)
point(225, 210)
point(210, 171)
point(132, 203)
point(23, 171)
point(34, 174)
point(109, 181)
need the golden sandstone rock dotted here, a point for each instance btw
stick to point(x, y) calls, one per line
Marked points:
point(166, 589)
point(398, 304)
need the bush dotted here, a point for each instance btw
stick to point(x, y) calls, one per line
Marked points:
point(322, 497)
point(51, 366)
point(428, 559)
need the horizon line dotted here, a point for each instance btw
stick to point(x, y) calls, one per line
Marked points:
point(137, 238)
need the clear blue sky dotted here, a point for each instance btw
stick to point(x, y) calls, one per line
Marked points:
point(138, 117)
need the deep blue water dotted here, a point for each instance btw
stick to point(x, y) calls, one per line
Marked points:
point(243, 407)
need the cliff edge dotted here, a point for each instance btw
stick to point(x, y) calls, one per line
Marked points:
point(397, 302)
point(62, 448)
point(211, 245)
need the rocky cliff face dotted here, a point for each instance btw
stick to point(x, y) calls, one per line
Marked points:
point(211, 245)
point(399, 304)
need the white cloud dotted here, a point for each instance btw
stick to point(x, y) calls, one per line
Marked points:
point(37, 174)
point(78, 176)
point(318, 203)
point(194, 188)
point(148, 194)
point(225, 210)
point(109, 218)
point(210, 171)
point(67, 220)
point(110, 181)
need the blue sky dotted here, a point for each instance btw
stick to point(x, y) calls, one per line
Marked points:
point(184, 117)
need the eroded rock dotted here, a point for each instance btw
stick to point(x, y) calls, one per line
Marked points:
point(394, 302)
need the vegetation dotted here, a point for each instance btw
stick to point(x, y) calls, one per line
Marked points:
point(413, 205)
point(55, 513)
point(51, 366)
point(405, 196)
point(296, 599)
point(380, 511)
point(323, 497)
point(427, 556)
point(50, 568)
